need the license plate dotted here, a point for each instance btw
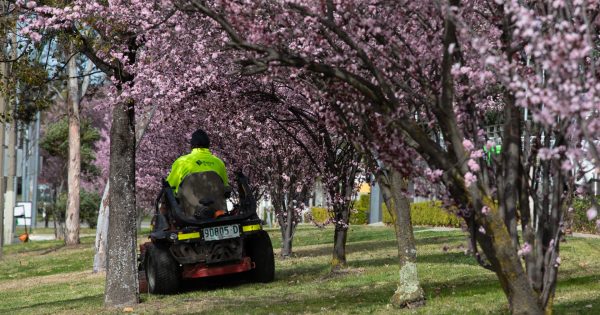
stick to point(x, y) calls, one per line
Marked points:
point(221, 232)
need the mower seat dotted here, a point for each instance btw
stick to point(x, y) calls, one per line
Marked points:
point(201, 194)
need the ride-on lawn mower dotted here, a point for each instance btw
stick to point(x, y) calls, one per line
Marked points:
point(194, 237)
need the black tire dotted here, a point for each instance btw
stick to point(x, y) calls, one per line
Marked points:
point(260, 250)
point(162, 271)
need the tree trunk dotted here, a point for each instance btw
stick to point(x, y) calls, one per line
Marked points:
point(342, 216)
point(122, 287)
point(286, 243)
point(72, 214)
point(409, 292)
point(3, 103)
point(339, 248)
point(10, 198)
point(287, 233)
point(57, 214)
point(101, 232)
point(103, 213)
point(497, 245)
point(11, 193)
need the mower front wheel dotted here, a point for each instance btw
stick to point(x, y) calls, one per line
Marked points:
point(162, 271)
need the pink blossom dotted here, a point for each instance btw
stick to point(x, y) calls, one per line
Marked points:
point(35, 36)
point(468, 144)
point(470, 179)
point(473, 166)
point(525, 249)
point(434, 175)
point(592, 213)
point(566, 165)
point(477, 154)
point(485, 210)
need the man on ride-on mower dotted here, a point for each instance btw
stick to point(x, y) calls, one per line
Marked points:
point(209, 188)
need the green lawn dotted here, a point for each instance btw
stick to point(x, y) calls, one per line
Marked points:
point(46, 278)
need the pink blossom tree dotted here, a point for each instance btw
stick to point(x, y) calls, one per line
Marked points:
point(434, 72)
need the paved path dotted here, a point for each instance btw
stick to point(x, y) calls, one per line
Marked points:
point(45, 237)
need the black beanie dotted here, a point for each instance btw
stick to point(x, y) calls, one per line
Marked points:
point(200, 139)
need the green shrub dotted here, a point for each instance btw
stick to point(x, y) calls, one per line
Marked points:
point(431, 213)
point(578, 220)
point(422, 213)
point(89, 203)
point(360, 214)
point(319, 215)
point(428, 213)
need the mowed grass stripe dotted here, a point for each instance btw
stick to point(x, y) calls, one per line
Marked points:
point(57, 281)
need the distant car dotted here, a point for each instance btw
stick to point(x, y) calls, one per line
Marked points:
point(190, 244)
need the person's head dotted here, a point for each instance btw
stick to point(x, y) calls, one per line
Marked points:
point(200, 140)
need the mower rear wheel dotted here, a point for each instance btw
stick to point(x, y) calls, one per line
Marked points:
point(260, 250)
point(162, 271)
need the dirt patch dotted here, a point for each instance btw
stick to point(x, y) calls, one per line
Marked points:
point(24, 284)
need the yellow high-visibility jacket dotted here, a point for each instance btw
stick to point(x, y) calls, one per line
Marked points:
point(199, 160)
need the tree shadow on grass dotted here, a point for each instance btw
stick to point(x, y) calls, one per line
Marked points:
point(440, 240)
point(312, 271)
point(369, 245)
point(462, 286)
point(584, 307)
point(326, 250)
point(214, 283)
point(344, 299)
point(449, 258)
point(481, 285)
point(85, 300)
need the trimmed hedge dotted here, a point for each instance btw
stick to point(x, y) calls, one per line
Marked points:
point(431, 213)
point(423, 213)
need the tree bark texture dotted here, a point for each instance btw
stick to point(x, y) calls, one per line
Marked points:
point(11, 182)
point(340, 236)
point(286, 225)
point(104, 211)
point(11, 194)
point(409, 292)
point(101, 233)
point(287, 236)
point(3, 104)
point(497, 246)
point(74, 171)
point(122, 288)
